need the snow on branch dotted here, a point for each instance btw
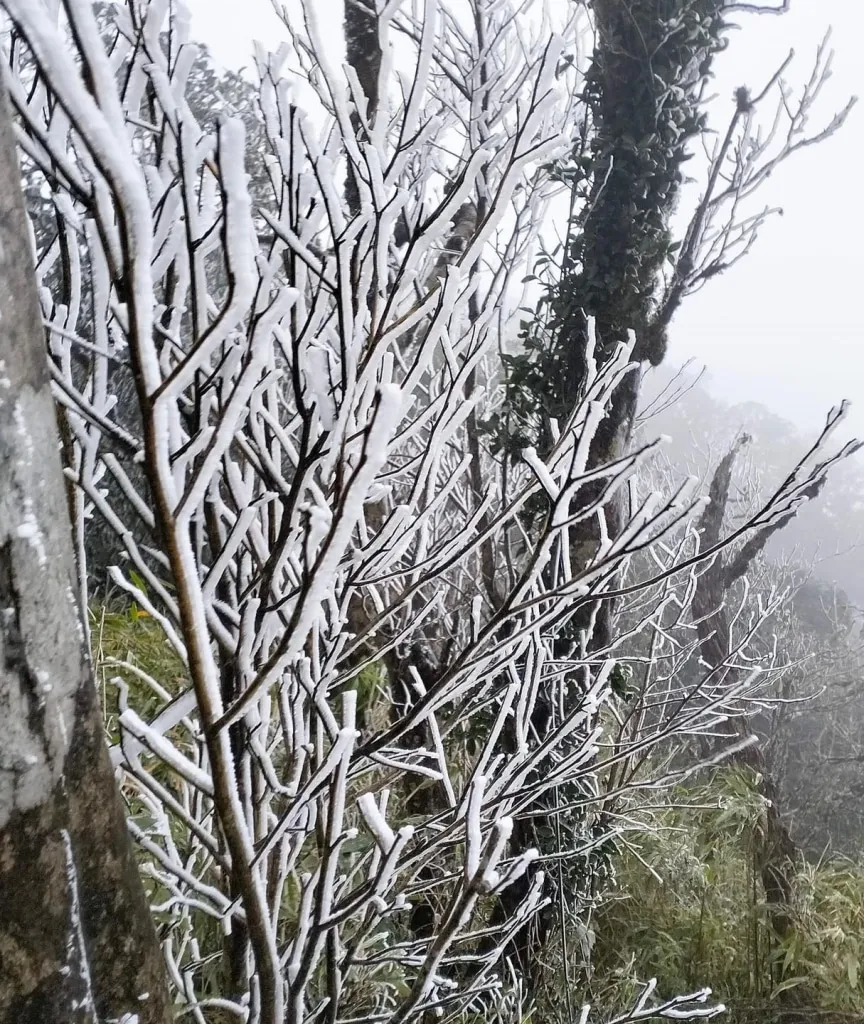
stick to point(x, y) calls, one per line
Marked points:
point(270, 397)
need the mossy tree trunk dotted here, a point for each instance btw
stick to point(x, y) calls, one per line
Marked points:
point(77, 943)
point(642, 93)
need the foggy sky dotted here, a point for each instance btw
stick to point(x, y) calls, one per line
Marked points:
point(786, 326)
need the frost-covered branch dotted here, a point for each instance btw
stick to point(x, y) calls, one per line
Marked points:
point(272, 386)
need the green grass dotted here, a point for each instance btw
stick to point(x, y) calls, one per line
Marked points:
point(689, 910)
point(123, 640)
point(687, 907)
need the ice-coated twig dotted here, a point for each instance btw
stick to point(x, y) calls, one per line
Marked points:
point(272, 383)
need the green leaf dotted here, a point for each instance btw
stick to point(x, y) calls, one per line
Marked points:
point(785, 985)
point(138, 581)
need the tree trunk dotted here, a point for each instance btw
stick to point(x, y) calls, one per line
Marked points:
point(77, 943)
point(775, 851)
point(641, 89)
point(363, 52)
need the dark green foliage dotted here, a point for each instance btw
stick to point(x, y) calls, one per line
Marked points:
point(643, 94)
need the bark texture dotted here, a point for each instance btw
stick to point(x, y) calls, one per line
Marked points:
point(77, 943)
point(363, 52)
point(641, 90)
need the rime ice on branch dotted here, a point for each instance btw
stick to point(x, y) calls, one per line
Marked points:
point(310, 514)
